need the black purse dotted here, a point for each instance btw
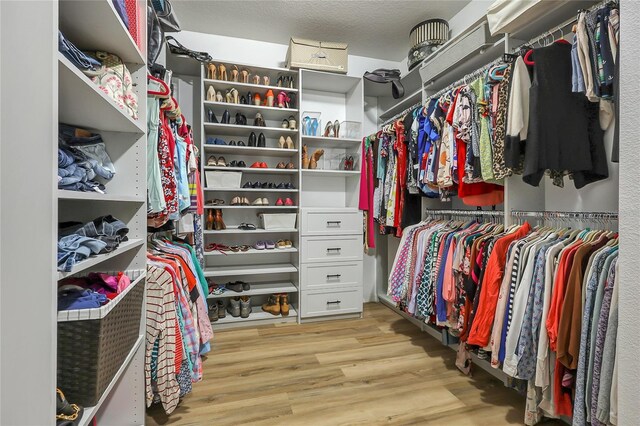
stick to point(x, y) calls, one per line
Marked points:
point(382, 75)
point(178, 49)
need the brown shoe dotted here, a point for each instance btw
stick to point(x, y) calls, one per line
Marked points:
point(284, 305)
point(218, 222)
point(273, 305)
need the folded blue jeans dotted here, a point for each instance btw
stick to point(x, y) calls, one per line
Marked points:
point(75, 248)
point(76, 56)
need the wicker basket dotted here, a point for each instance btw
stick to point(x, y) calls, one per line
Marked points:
point(93, 343)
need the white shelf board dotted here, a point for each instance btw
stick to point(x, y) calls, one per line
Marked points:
point(245, 131)
point(259, 289)
point(269, 113)
point(271, 268)
point(254, 170)
point(90, 412)
point(251, 251)
point(97, 259)
point(234, 231)
point(250, 190)
point(403, 104)
point(96, 196)
point(328, 82)
point(221, 84)
point(253, 207)
point(331, 173)
point(95, 25)
point(257, 314)
point(331, 142)
point(249, 150)
point(82, 103)
point(255, 69)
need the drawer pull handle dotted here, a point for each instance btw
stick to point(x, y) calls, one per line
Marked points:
point(329, 249)
point(334, 222)
point(335, 302)
point(333, 276)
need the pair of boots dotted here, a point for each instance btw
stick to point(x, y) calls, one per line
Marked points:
point(311, 163)
point(216, 310)
point(278, 304)
point(239, 306)
point(215, 221)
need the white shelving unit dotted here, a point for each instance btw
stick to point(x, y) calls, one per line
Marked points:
point(60, 93)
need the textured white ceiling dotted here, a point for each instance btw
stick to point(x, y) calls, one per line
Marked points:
point(373, 28)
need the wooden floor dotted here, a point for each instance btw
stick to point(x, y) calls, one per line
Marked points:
point(377, 370)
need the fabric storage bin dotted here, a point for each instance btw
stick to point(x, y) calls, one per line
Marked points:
point(94, 343)
point(318, 55)
point(278, 220)
point(223, 180)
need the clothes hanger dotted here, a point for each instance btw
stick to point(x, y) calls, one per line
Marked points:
point(164, 92)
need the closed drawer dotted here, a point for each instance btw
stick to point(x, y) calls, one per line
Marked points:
point(331, 249)
point(316, 276)
point(334, 302)
point(331, 222)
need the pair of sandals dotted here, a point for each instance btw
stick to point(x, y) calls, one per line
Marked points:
point(284, 244)
point(223, 248)
point(239, 201)
point(289, 165)
point(309, 126)
point(247, 226)
point(215, 202)
point(290, 123)
point(216, 162)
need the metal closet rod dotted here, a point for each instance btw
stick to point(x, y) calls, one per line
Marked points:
point(405, 112)
point(463, 80)
point(466, 212)
point(586, 216)
point(564, 24)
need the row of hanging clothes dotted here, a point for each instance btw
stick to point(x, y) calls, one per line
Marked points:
point(540, 303)
point(542, 110)
point(178, 330)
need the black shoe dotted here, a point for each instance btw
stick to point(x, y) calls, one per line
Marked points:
point(281, 186)
point(237, 287)
point(255, 185)
point(242, 164)
point(289, 185)
point(252, 139)
point(232, 164)
point(264, 185)
point(249, 98)
point(241, 119)
point(262, 142)
point(232, 143)
point(243, 100)
point(271, 185)
point(245, 286)
point(292, 100)
point(226, 117)
point(212, 117)
point(240, 143)
point(247, 185)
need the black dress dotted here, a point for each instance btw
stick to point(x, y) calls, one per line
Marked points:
point(564, 131)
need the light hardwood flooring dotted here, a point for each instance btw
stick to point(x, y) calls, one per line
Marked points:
point(377, 370)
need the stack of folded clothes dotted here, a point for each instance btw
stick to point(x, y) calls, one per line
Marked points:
point(92, 291)
point(82, 157)
point(77, 241)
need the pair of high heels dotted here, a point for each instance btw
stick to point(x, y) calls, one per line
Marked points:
point(309, 126)
point(311, 162)
point(220, 73)
point(285, 81)
point(266, 81)
point(259, 142)
point(213, 96)
point(332, 129)
point(286, 143)
point(289, 123)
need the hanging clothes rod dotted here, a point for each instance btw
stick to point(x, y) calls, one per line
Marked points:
point(469, 77)
point(403, 113)
point(471, 213)
point(584, 216)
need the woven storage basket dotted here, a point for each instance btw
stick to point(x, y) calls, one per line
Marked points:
point(93, 343)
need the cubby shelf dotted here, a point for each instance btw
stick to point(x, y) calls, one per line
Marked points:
point(251, 150)
point(269, 113)
point(98, 259)
point(222, 84)
point(233, 270)
point(257, 314)
point(259, 289)
point(96, 196)
point(245, 130)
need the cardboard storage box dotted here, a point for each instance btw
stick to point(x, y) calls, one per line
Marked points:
point(278, 220)
point(317, 55)
point(223, 180)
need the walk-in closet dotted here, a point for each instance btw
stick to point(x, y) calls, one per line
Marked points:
point(319, 213)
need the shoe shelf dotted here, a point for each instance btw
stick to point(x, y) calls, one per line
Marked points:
point(257, 314)
point(97, 259)
point(244, 130)
point(331, 173)
point(96, 196)
point(255, 88)
point(253, 207)
point(90, 412)
point(95, 25)
point(234, 231)
point(321, 141)
point(269, 113)
point(250, 190)
point(82, 103)
point(248, 150)
point(233, 270)
point(251, 252)
point(258, 289)
point(254, 170)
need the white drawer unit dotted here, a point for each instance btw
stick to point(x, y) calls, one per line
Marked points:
point(328, 275)
point(334, 302)
point(331, 222)
point(331, 248)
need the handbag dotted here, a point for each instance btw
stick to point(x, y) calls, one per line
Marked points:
point(382, 75)
point(154, 36)
point(167, 19)
point(178, 49)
